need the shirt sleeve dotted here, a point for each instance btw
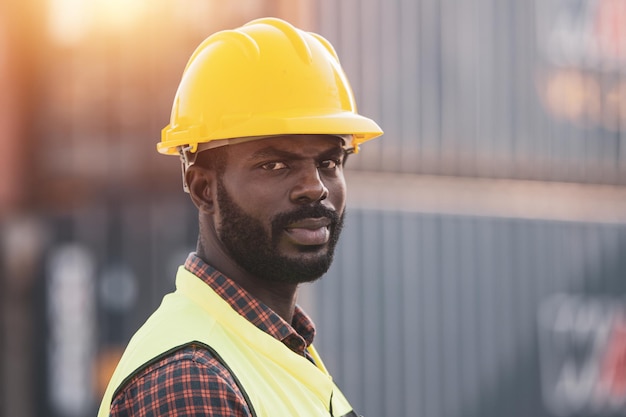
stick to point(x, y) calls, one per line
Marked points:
point(190, 382)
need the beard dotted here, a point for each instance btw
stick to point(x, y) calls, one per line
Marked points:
point(256, 250)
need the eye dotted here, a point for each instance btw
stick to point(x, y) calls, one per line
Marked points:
point(274, 166)
point(329, 164)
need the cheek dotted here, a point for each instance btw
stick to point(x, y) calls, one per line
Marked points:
point(257, 202)
point(337, 193)
point(245, 192)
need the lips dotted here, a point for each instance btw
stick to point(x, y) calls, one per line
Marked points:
point(309, 232)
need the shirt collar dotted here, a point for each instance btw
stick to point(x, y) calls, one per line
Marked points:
point(297, 336)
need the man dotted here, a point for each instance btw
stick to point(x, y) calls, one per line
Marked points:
point(263, 120)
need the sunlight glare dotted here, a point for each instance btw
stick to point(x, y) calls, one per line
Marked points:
point(71, 20)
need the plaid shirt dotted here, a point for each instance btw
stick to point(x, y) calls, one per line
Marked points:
point(191, 381)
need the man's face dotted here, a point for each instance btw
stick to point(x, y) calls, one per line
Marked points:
point(280, 204)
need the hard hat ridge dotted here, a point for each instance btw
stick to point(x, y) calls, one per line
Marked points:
point(294, 37)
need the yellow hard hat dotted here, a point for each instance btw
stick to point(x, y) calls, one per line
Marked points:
point(265, 78)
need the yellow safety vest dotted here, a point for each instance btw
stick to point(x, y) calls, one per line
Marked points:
point(276, 381)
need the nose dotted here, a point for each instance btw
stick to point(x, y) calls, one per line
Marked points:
point(309, 187)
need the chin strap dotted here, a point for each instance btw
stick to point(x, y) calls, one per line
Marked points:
point(187, 158)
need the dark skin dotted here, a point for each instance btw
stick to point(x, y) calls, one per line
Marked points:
point(266, 177)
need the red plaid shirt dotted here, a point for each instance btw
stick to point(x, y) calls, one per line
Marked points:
point(191, 381)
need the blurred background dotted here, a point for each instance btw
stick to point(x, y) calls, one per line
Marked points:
point(482, 270)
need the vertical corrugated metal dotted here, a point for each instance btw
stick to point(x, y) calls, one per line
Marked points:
point(436, 315)
point(457, 87)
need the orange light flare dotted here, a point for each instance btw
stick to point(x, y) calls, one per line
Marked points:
point(70, 21)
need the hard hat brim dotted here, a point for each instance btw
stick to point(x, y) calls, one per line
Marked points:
point(342, 123)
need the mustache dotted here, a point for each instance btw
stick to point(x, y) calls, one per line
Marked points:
point(282, 220)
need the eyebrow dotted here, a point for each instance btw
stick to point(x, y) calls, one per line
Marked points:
point(272, 152)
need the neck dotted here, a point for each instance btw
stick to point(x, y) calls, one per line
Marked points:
point(280, 297)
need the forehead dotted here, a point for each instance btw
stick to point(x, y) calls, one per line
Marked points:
point(296, 145)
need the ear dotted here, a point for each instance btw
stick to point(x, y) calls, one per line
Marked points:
point(202, 187)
